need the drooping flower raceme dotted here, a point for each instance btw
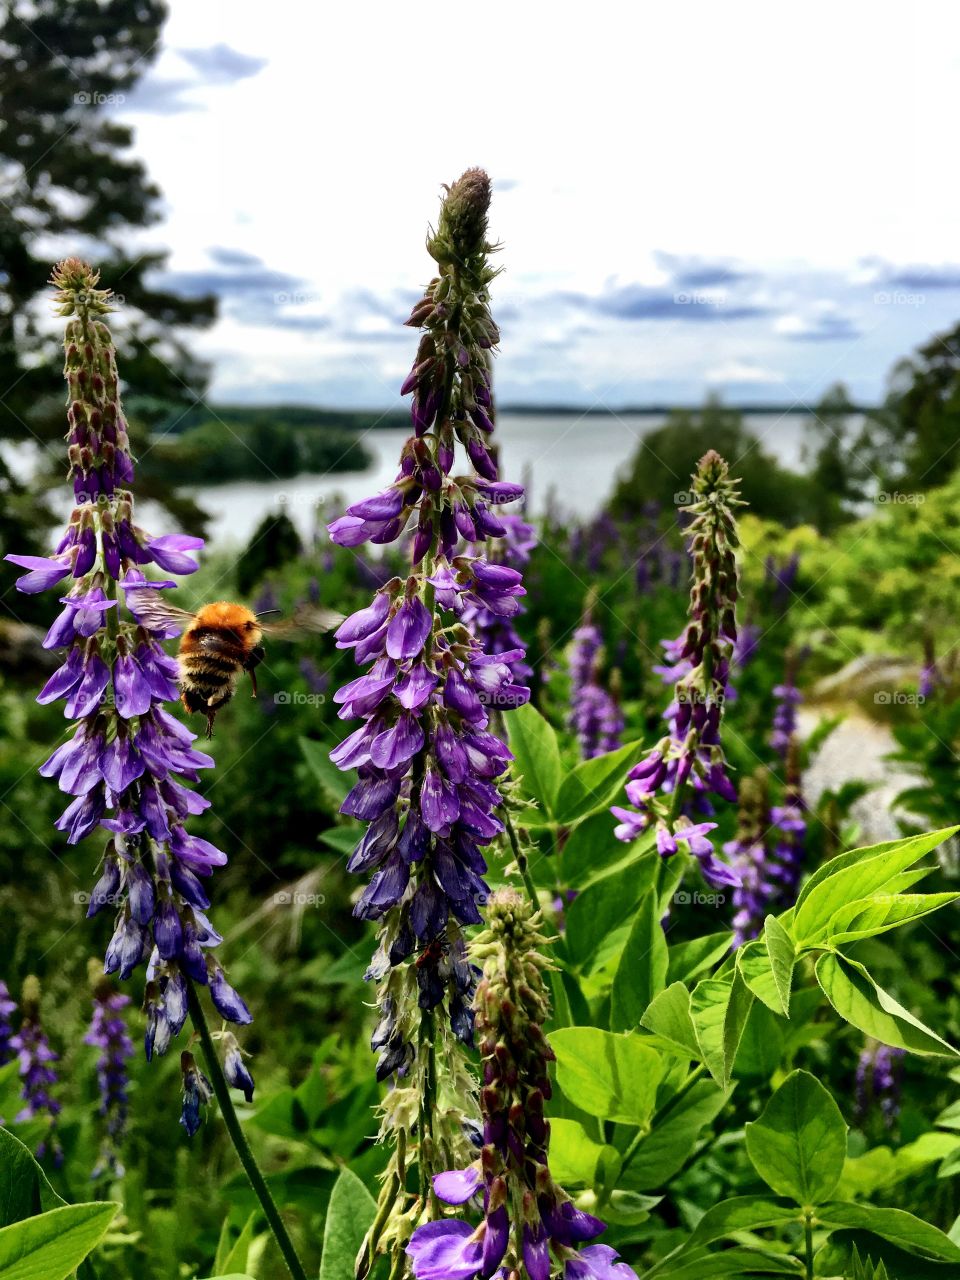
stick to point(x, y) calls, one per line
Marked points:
point(36, 1059)
point(529, 1224)
point(108, 1033)
point(426, 754)
point(700, 667)
point(127, 758)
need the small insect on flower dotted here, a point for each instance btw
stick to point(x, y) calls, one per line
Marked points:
point(219, 643)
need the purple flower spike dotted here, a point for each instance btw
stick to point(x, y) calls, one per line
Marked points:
point(457, 1186)
point(127, 760)
point(408, 629)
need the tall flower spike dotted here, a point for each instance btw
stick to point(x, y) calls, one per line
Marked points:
point(425, 753)
point(530, 1225)
point(595, 714)
point(108, 1033)
point(751, 860)
point(692, 753)
point(127, 758)
point(37, 1072)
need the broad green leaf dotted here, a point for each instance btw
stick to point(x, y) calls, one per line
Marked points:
point(896, 1225)
point(708, 1009)
point(611, 1076)
point(52, 1245)
point(594, 784)
point(753, 961)
point(24, 1189)
point(350, 1213)
point(737, 1263)
point(642, 970)
point(603, 907)
point(233, 1253)
point(799, 1144)
point(332, 781)
point(868, 917)
point(742, 1213)
point(734, 1021)
point(575, 1157)
point(761, 1048)
point(536, 755)
point(589, 849)
point(859, 877)
point(665, 1150)
point(782, 955)
point(689, 959)
point(866, 1006)
point(668, 1016)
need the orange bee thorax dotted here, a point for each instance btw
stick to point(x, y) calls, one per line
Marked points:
point(232, 617)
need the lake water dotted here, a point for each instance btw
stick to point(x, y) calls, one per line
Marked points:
point(577, 459)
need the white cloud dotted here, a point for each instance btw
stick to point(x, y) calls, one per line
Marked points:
point(743, 373)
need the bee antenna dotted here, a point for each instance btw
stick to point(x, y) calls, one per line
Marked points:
point(265, 612)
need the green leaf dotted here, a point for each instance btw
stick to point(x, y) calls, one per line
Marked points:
point(866, 1006)
point(611, 1076)
point(868, 917)
point(231, 1256)
point(761, 1048)
point(691, 958)
point(753, 962)
point(603, 907)
point(350, 1213)
point(575, 1158)
point(332, 782)
point(737, 1263)
point(708, 1009)
point(896, 1225)
point(742, 1213)
point(668, 1016)
point(590, 847)
point(855, 875)
point(799, 1144)
point(782, 956)
point(594, 784)
point(642, 970)
point(734, 1021)
point(536, 755)
point(52, 1245)
point(666, 1149)
point(24, 1189)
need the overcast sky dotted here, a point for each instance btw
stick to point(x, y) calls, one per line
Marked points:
point(756, 198)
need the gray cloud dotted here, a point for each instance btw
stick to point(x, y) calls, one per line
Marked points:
point(919, 277)
point(700, 273)
point(219, 64)
point(233, 257)
point(642, 302)
point(216, 65)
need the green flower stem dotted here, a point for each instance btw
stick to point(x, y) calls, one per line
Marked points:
point(808, 1243)
point(241, 1146)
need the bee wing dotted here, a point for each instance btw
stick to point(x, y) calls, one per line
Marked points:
point(149, 608)
point(308, 617)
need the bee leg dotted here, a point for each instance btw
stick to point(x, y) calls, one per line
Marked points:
point(250, 666)
point(211, 716)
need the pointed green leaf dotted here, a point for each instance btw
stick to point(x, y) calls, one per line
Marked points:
point(868, 917)
point(350, 1214)
point(896, 1225)
point(799, 1144)
point(782, 955)
point(575, 1157)
point(668, 1016)
point(734, 1021)
point(536, 755)
point(611, 1076)
point(742, 1213)
point(24, 1189)
point(866, 1006)
point(690, 958)
point(708, 1008)
point(52, 1245)
point(602, 907)
point(231, 1257)
point(643, 967)
point(594, 784)
point(665, 1150)
point(850, 877)
point(753, 961)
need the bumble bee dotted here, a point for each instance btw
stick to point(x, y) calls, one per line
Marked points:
point(219, 643)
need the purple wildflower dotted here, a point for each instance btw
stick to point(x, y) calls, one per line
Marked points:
point(750, 858)
point(427, 761)
point(108, 1033)
point(36, 1071)
point(595, 714)
point(196, 1093)
point(495, 631)
point(127, 759)
point(8, 1007)
point(788, 698)
point(699, 669)
point(878, 1081)
point(528, 1220)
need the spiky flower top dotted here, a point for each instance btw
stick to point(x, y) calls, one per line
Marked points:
point(38, 1075)
point(529, 1224)
point(108, 1033)
point(692, 751)
point(127, 760)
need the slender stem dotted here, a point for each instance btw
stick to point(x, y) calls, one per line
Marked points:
point(523, 865)
point(241, 1146)
point(808, 1240)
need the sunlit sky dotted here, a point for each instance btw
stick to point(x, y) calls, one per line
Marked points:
point(755, 198)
